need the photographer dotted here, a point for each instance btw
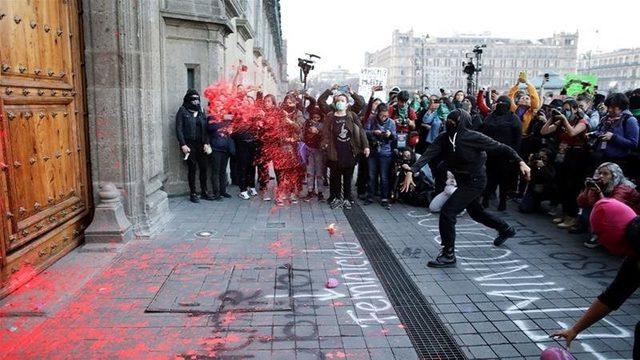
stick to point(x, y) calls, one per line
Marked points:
point(541, 186)
point(405, 118)
point(570, 127)
point(608, 181)
point(381, 134)
point(526, 105)
point(617, 134)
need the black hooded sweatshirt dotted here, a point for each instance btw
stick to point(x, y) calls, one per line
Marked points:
point(190, 129)
point(465, 151)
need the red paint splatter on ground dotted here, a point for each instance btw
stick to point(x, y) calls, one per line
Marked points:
point(281, 250)
point(228, 318)
point(336, 355)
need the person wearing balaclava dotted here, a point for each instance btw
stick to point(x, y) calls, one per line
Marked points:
point(191, 130)
point(464, 152)
point(503, 126)
point(618, 228)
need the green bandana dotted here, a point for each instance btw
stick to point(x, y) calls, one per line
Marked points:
point(443, 111)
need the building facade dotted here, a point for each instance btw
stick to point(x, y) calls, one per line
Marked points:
point(107, 81)
point(415, 62)
point(619, 69)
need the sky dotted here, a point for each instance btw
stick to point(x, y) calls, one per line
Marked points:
point(341, 31)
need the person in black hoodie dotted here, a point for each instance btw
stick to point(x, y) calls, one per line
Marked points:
point(222, 146)
point(501, 125)
point(191, 130)
point(464, 153)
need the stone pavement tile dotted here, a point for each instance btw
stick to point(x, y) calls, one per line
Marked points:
point(505, 351)
point(471, 339)
point(463, 328)
point(399, 341)
point(330, 342)
point(493, 338)
point(382, 354)
point(528, 349)
point(355, 342)
point(482, 352)
point(516, 337)
point(405, 353)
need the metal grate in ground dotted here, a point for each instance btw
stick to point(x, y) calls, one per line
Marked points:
point(429, 336)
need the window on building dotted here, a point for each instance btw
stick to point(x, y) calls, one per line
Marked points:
point(193, 76)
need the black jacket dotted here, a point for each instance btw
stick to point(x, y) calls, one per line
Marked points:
point(187, 130)
point(468, 157)
point(506, 129)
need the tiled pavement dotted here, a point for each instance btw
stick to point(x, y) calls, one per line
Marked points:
point(91, 304)
point(499, 303)
point(502, 302)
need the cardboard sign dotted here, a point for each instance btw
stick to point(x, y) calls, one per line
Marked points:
point(370, 77)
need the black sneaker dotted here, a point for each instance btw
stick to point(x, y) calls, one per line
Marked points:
point(385, 204)
point(320, 197)
point(443, 261)
point(225, 195)
point(347, 204)
point(208, 197)
point(592, 243)
point(194, 198)
point(503, 236)
point(367, 201)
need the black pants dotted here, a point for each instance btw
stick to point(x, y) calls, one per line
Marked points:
point(340, 182)
point(500, 174)
point(467, 196)
point(362, 181)
point(219, 161)
point(197, 161)
point(246, 153)
point(571, 173)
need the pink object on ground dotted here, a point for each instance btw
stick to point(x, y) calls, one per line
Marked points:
point(555, 353)
point(331, 283)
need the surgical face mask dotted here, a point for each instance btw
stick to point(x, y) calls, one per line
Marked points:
point(341, 106)
point(567, 113)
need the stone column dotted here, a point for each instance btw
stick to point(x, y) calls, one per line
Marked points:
point(122, 65)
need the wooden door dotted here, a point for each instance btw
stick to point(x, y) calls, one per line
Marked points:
point(43, 157)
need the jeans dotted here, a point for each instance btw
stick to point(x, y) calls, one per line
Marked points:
point(197, 161)
point(379, 165)
point(466, 196)
point(219, 161)
point(340, 181)
point(246, 153)
point(315, 170)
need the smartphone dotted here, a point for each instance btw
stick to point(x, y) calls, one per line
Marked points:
point(343, 88)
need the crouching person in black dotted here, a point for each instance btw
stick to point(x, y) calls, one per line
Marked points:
point(464, 152)
point(191, 129)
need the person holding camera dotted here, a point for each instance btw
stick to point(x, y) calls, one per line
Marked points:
point(541, 185)
point(608, 181)
point(381, 134)
point(570, 125)
point(405, 118)
point(525, 105)
point(191, 130)
point(464, 153)
point(617, 134)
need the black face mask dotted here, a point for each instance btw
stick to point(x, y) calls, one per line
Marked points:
point(194, 104)
point(451, 127)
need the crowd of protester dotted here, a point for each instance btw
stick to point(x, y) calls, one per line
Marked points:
point(582, 151)
point(580, 147)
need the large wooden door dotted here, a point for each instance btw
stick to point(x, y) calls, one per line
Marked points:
point(43, 157)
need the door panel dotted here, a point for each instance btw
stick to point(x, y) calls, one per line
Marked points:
point(43, 162)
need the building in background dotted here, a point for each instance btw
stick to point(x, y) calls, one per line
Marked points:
point(619, 69)
point(415, 62)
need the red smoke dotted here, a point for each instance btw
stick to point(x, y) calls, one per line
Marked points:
point(278, 134)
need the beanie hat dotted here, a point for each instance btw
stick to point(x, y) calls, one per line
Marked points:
point(634, 102)
point(609, 219)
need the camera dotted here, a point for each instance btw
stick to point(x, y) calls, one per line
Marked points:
point(593, 135)
point(590, 183)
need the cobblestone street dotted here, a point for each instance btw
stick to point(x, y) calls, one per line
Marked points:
point(240, 279)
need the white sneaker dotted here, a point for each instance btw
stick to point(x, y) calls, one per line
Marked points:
point(266, 197)
point(244, 195)
point(253, 192)
point(294, 199)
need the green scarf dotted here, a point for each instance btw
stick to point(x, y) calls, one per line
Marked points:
point(443, 111)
